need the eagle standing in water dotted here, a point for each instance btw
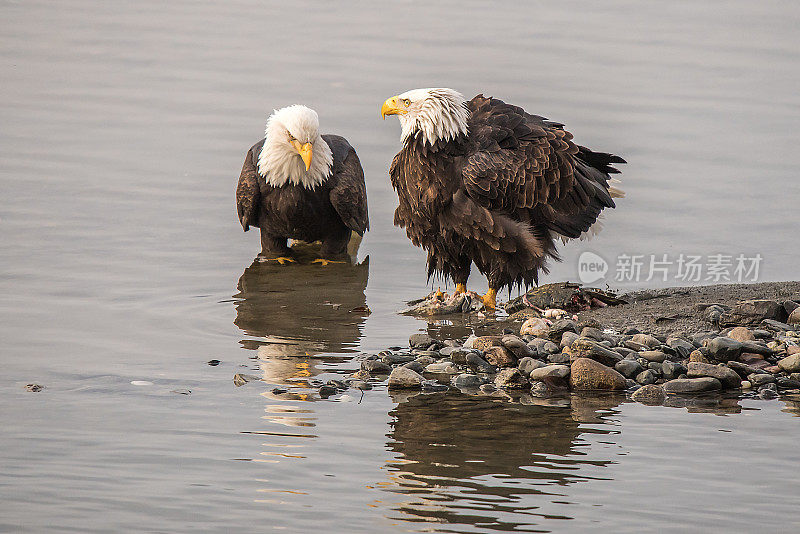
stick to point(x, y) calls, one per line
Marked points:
point(485, 182)
point(298, 184)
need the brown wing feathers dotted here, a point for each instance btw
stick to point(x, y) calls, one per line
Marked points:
point(522, 162)
point(248, 192)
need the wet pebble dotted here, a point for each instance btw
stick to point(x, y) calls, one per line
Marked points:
point(432, 386)
point(477, 363)
point(534, 327)
point(500, 356)
point(181, 391)
point(681, 346)
point(700, 355)
point(587, 348)
point(415, 366)
point(646, 340)
point(650, 394)
point(559, 357)
point(729, 378)
point(646, 377)
point(653, 355)
point(458, 356)
point(592, 333)
point(441, 368)
point(550, 371)
point(510, 378)
point(425, 360)
point(448, 350)
point(670, 370)
point(788, 383)
point(33, 388)
point(557, 329)
point(420, 341)
point(794, 317)
point(528, 364)
point(213, 363)
point(628, 368)
point(427, 354)
point(752, 312)
point(567, 338)
point(517, 346)
point(466, 381)
point(326, 391)
point(760, 379)
point(393, 358)
point(376, 367)
point(361, 374)
point(741, 334)
point(692, 385)
point(404, 378)
point(586, 373)
point(626, 353)
point(723, 349)
point(790, 364)
point(482, 343)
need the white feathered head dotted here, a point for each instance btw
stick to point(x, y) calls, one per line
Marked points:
point(434, 114)
point(294, 151)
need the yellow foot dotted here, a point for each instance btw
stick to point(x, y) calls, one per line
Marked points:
point(283, 260)
point(489, 299)
point(461, 288)
point(438, 295)
point(325, 262)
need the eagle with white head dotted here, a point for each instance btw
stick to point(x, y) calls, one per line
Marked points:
point(485, 182)
point(299, 184)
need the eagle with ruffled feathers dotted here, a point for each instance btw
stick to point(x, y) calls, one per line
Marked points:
point(485, 182)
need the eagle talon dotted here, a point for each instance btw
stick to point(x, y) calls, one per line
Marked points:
point(489, 299)
point(325, 262)
point(461, 288)
point(283, 260)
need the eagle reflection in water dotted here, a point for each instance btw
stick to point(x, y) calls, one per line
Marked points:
point(463, 460)
point(301, 312)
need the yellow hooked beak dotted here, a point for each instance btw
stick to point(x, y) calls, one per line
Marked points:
point(305, 151)
point(392, 106)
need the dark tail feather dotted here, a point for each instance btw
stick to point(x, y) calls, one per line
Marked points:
point(599, 160)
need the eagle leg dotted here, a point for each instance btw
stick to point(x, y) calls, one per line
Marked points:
point(461, 288)
point(490, 299)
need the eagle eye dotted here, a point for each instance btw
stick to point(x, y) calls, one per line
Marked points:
point(407, 102)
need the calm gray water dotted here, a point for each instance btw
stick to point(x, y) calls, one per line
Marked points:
point(123, 127)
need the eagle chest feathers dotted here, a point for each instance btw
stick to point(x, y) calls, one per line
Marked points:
point(425, 187)
point(298, 212)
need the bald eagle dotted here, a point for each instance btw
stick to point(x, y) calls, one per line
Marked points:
point(298, 184)
point(485, 182)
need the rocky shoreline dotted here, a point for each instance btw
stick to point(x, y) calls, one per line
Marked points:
point(661, 344)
